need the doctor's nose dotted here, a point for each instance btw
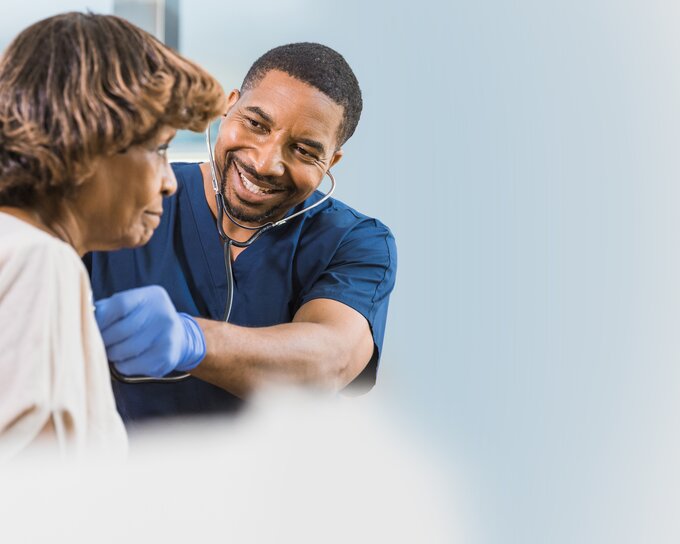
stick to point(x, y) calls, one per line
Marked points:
point(269, 160)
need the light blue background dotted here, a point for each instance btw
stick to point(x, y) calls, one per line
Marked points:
point(525, 155)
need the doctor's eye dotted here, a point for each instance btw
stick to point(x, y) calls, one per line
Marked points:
point(305, 154)
point(254, 124)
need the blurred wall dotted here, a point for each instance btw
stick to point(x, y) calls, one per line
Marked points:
point(525, 155)
point(18, 14)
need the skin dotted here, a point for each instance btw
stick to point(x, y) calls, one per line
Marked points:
point(281, 135)
point(119, 205)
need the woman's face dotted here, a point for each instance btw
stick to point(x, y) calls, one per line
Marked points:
point(121, 204)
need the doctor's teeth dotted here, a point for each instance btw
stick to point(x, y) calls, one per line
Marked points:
point(252, 187)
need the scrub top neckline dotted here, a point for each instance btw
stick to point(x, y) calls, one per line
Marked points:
point(205, 223)
point(208, 234)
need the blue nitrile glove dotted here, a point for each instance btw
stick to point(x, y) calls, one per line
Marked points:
point(145, 335)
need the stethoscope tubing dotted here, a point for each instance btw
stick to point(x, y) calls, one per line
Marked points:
point(221, 208)
point(227, 244)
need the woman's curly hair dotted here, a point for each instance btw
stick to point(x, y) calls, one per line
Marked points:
point(78, 86)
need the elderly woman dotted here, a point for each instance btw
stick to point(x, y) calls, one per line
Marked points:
point(88, 106)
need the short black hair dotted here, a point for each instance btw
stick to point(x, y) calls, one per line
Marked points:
point(318, 66)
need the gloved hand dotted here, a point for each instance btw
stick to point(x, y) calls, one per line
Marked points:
point(145, 335)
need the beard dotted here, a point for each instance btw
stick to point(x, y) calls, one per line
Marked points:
point(240, 212)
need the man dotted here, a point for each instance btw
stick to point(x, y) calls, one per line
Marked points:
point(311, 296)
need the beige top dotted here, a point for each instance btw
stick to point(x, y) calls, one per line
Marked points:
point(55, 388)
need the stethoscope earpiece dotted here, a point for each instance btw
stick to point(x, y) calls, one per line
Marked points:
point(266, 226)
point(227, 243)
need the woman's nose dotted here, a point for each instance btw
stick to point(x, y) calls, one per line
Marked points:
point(169, 181)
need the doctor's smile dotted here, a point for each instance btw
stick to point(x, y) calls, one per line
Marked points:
point(255, 189)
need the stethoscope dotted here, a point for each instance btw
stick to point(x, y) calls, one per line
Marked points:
point(227, 244)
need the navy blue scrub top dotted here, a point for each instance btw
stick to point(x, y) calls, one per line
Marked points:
point(330, 252)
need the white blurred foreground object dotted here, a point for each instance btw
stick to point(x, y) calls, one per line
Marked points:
point(294, 468)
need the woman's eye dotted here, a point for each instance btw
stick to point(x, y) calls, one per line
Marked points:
point(162, 150)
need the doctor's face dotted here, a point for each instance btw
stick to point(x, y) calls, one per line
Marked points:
point(275, 144)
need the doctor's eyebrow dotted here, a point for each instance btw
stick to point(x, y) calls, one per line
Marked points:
point(259, 111)
point(313, 144)
point(267, 118)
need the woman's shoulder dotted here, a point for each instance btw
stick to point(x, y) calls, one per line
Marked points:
point(24, 245)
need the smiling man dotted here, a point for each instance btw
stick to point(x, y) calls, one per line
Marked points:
point(310, 296)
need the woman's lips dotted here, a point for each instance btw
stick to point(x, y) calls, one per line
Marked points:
point(154, 215)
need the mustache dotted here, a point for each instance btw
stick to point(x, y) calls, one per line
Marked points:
point(270, 181)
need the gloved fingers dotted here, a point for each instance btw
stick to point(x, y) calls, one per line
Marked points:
point(112, 309)
point(132, 346)
point(126, 368)
point(127, 327)
point(147, 363)
point(132, 367)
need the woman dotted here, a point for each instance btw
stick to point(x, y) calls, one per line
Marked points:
point(88, 105)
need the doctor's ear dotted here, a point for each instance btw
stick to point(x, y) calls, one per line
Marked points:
point(335, 159)
point(233, 97)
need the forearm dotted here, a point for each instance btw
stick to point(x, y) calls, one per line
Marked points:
point(239, 359)
point(327, 344)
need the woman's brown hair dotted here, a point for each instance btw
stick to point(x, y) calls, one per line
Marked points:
point(78, 86)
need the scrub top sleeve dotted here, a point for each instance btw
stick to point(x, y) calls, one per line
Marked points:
point(361, 274)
